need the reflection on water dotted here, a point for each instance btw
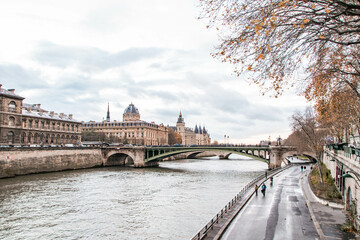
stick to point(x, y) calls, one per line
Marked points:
point(172, 201)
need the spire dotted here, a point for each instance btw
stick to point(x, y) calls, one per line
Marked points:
point(204, 130)
point(108, 114)
point(196, 129)
point(180, 118)
point(200, 129)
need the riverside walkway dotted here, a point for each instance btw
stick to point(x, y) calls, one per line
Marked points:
point(288, 211)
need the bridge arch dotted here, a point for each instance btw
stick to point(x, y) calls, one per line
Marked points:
point(119, 159)
point(157, 154)
point(192, 155)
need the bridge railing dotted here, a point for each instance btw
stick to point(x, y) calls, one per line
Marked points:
point(210, 225)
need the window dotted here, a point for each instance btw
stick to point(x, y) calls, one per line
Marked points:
point(10, 136)
point(42, 124)
point(23, 137)
point(12, 106)
point(11, 121)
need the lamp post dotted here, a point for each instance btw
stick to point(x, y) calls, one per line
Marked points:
point(225, 139)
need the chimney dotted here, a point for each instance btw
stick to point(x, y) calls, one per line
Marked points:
point(41, 111)
point(61, 115)
point(70, 116)
point(52, 113)
point(11, 90)
point(0, 86)
point(28, 109)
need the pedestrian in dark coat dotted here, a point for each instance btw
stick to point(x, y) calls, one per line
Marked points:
point(263, 189)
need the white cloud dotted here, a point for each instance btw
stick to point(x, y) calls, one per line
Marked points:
point(75, 56)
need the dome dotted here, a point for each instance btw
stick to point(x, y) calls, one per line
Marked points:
point(131, 109)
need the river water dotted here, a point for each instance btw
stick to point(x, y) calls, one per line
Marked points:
point(173, 201)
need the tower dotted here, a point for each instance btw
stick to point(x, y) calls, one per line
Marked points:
point(108, 114)
point(196, 129)
point(180, 127)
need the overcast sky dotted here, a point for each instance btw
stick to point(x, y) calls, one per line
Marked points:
point(76, 56)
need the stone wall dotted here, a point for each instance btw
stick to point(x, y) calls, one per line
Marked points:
point(339, 163)
point(20, 161)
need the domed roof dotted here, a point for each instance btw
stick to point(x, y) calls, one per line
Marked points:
point(131, 109)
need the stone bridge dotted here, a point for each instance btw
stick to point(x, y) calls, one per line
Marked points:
point(150, 156)
point(20, 161)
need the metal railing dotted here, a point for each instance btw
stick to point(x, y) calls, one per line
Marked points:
point(209, 226)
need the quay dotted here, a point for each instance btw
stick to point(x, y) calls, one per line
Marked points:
point(289, 210)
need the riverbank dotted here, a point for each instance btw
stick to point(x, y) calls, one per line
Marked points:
point(22, 161)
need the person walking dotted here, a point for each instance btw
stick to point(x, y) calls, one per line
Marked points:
point(263, 189)
point(256, 189)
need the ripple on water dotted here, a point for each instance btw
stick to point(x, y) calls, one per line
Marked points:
point(172, 201)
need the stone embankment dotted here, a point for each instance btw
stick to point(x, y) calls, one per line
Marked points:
point(16, 161)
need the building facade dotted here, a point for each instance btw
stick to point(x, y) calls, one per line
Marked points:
point(131, 130)
point(198, 136)
point(27, 124)
point(344, 165)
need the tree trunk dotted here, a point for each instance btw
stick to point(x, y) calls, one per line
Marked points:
point(319, 166)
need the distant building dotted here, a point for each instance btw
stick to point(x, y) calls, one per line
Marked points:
point(198, 136)
point(25, 124)
point(131, 130)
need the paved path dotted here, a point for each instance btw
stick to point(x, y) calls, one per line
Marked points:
point(328, 219)
point(281, 214)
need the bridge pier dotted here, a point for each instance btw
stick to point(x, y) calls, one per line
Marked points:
point(278, 155)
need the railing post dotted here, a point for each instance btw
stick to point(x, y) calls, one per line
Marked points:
point(212, 224)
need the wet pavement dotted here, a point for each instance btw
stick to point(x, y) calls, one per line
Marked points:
point(289, 210)
point(281, 214)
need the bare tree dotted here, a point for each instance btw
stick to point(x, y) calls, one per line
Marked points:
point(174, 137)
point(274, 38)
point(311, 134)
